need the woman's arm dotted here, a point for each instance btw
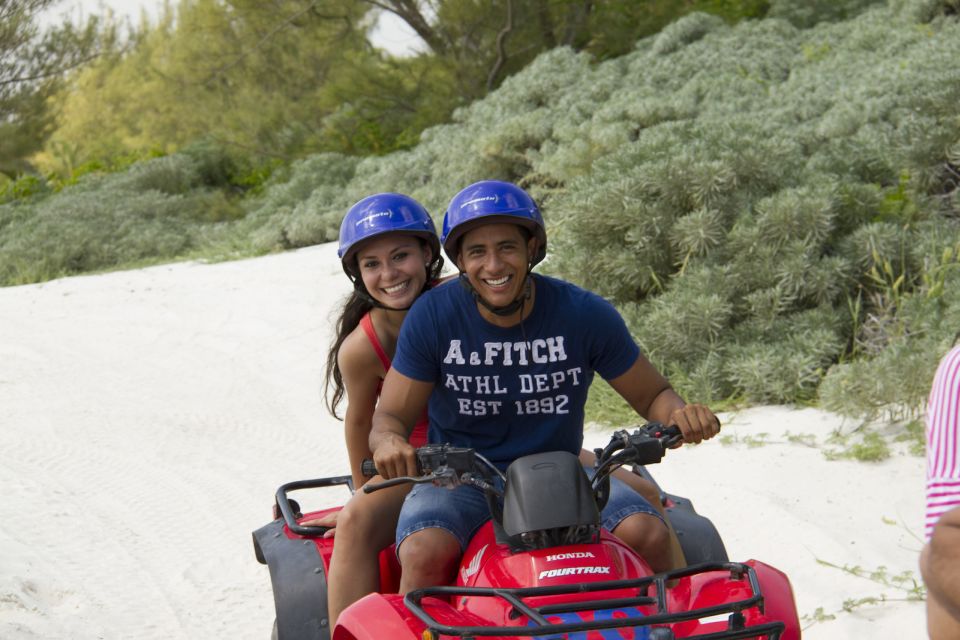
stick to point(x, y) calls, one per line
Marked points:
point(361, 378)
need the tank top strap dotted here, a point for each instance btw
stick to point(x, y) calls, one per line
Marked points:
point(367, 323)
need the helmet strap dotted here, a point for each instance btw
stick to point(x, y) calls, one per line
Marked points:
point(505, 310)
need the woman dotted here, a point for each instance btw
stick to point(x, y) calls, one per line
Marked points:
point(390, 251)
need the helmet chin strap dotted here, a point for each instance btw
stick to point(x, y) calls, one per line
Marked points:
point(506, 310)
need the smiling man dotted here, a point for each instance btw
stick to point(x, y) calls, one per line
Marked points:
point(505, 358)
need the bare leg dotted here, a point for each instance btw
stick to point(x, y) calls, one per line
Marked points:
point(366, 525)
point(649, 537)
point(428, 558)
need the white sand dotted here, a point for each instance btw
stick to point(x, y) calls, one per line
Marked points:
point(146, 417)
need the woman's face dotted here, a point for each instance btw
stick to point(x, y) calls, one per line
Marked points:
point(393, 268)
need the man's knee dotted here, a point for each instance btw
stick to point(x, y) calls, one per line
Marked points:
point(649, 536)
point(428, 557)
point(644, 528)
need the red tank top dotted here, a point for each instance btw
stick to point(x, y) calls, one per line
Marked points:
point(418, 437)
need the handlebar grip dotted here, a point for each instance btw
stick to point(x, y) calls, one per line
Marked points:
point(368, 468)
point(671, 436)
point(672, 431)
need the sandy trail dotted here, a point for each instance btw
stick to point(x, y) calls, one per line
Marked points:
point(147, 416)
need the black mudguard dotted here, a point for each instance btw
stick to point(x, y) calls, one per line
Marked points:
point(699, 539)
point(299, 583)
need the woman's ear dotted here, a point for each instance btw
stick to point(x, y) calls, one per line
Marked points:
point(428, 254)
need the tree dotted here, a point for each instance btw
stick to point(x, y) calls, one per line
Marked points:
point(33, 65)
point(245, 74)
point(286, 78)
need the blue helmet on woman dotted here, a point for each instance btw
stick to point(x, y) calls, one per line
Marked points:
point(384, 213)
point(487, 202)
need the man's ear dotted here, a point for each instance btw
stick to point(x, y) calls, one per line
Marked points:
point(533, 245)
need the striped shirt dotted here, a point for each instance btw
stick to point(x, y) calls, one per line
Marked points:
point(943, 424)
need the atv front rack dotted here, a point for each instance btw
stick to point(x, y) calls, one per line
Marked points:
point(540, 627)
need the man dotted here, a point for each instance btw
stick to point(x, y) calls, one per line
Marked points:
point(505, 359)
point(940, 558)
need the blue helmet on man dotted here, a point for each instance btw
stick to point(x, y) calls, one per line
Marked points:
point(488, 202)
point(379, 214)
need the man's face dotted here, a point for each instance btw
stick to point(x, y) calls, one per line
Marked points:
point(495, 258)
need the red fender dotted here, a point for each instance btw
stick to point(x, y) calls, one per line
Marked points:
point(779, 603)
point(714, 588)
point(377, 617)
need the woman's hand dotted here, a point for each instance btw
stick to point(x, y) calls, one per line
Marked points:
point(329, 520)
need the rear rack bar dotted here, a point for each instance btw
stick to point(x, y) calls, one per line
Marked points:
point(288, 508)
point(541, 627)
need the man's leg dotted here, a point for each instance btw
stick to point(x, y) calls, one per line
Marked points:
point(428, 558)
point(634, 520)
point(651, 494)
point(649, 536)
point(435, 526)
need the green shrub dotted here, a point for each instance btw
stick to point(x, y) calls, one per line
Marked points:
point(774, 204)
point(810, 12)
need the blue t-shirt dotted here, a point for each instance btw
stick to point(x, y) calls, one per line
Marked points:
point(510, 392)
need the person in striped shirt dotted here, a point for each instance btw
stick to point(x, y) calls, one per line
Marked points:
point(940, 558)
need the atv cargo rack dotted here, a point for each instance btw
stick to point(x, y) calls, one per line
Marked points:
point(540, 627)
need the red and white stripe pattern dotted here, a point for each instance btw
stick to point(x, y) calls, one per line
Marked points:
point(943, 425)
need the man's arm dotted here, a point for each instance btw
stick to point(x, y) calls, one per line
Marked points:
point(938, 565)
point(402, 402)
point(652, 397)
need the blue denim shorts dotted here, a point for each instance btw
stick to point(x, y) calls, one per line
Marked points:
point(463, 510)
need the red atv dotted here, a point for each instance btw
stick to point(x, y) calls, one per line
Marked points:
point(542, 567)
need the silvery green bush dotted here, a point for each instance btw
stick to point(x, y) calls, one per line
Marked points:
point(773, 205)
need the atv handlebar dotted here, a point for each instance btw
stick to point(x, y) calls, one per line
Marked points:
point(368, 468)
point(443, 465)
point(646, 445)
point(449, 466)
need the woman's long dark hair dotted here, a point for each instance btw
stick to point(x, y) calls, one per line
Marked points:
point(357, 305)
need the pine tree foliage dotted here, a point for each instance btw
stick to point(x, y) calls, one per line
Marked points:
point(772, 204)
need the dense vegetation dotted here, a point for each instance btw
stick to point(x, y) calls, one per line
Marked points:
point(274, 81)
point(773, 204)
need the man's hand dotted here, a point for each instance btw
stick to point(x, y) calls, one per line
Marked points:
point(394, 457)
point(696, 421)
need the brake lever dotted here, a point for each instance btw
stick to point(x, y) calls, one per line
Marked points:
point(392, 482)
point(669, 436)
